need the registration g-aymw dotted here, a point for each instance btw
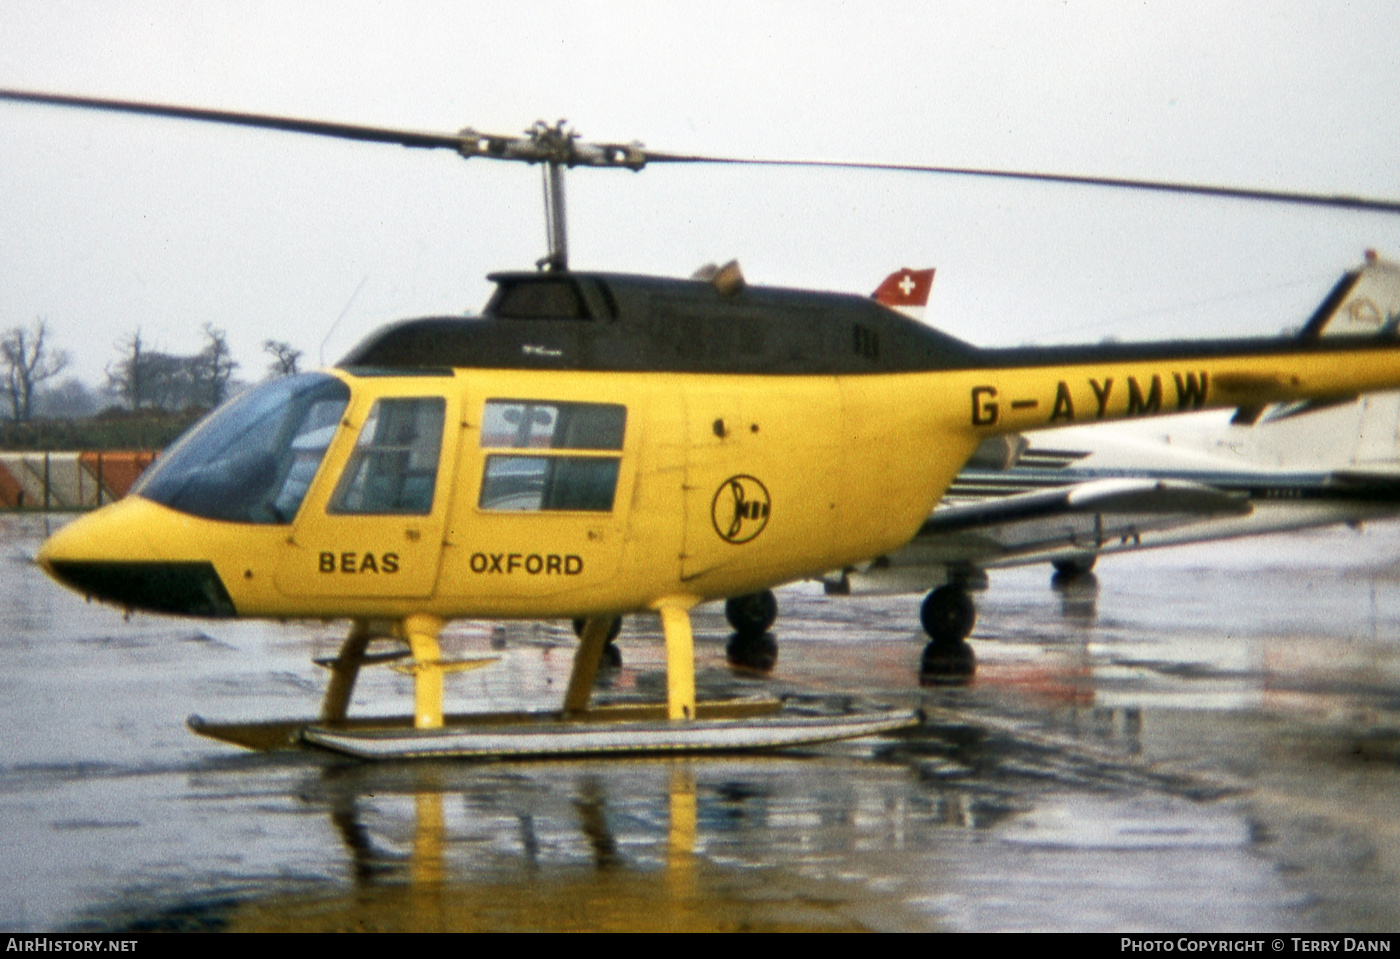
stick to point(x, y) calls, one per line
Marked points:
point(1142, 396)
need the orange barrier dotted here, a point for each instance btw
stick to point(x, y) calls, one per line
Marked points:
point(68, 480)
point(117, 470)
point(11, 490)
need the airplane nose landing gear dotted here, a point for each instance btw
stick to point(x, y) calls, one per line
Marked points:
point(947, 615)
point(752, 615)
point(752, 612)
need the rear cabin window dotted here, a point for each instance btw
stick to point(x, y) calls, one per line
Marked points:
point(580, 470)
point(540, 300)
point(393, 468)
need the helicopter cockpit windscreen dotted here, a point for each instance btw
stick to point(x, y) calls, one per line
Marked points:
point(252, 460)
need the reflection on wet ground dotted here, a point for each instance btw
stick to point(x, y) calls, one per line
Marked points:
point(1195, 740)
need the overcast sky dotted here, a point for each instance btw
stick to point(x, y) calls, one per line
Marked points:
point(112, 223)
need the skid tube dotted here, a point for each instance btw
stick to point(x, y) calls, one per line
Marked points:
point(681, 725)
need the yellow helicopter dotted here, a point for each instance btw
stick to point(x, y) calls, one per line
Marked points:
point(598, 444)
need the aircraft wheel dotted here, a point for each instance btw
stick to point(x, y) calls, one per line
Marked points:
point(948, 615)
point(613, 630)
point(1073, 568)
point(752, 613)
point(947, 663)
point(612, 656)
point(757, 651)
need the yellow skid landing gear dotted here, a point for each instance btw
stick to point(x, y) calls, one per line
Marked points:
point(414, 637)
point(680, 725)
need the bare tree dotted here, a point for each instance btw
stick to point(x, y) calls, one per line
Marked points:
point(150, 379)
point(212, 368)
point(284, 358)
point(28, 362)
point(127, 379)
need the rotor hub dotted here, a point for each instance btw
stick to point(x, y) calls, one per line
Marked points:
point(557, 145)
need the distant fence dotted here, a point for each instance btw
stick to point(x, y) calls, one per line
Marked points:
point(68, 480)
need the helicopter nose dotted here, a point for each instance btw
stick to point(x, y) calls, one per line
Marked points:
point(107, 556)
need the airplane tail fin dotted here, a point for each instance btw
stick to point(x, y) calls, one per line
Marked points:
point(1364, 430)
point(906, 290)
point(1365, 302)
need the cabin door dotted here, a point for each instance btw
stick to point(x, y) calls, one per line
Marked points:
point(376, 528)
point(547, 483)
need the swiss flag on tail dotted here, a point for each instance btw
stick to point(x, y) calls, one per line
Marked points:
point(905, 289)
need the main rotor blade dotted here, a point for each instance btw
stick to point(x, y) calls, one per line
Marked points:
point(540, 144)
point(559, 145)
point(344, 131)
point(1236, 193)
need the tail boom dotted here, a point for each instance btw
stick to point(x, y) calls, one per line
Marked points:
point(1028, 389)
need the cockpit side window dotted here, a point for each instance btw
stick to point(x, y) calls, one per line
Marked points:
point(253, 459)
point(393, 468)
point(573, 476)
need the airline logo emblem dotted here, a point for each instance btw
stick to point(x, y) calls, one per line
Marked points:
point(740, 509)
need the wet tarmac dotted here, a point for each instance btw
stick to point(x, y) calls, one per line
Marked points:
point(1202, 739)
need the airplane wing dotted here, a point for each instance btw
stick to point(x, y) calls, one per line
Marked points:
point(1076, 519)
point(1381, 477)
point(1027, 527)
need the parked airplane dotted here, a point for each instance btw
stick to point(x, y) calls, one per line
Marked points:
point(1069, 495)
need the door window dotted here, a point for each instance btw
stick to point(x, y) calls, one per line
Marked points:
point(393, 468)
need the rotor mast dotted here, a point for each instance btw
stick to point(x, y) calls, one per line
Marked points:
point(557, 141)
point(556, 234)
